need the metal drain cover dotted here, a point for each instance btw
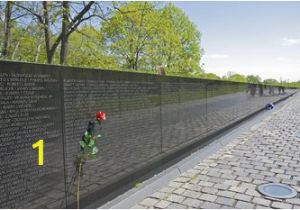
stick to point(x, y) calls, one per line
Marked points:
point(276, 190)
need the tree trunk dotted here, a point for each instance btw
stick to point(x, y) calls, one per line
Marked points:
point(65, 28)
point(37, 55)
point(136, 60)
point(7, 29)
point(15, 51)
point(46, 27)
point(68, 27)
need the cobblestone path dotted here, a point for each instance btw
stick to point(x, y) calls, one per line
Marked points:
point(267, 152)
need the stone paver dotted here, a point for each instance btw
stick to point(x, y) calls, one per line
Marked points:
point(208, 205)
point(176, 206)
point(162, 204)
point(225, 201)
point(267, 152)
point(194, 203)
point(244, 205)
point(208, 197)
point(227, 194)
point(294, 201)
point(280, 205)
point(243, 197)
point(262, 201)
point(175, 198)
point(191, 194)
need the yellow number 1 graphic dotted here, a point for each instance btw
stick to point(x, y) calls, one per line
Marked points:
point(40, 145)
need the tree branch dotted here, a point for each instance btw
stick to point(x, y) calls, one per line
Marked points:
point(15, 18)
point(82, 13)
point(39, 17)
point(74, 27)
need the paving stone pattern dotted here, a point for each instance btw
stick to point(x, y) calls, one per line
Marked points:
point(267, 152)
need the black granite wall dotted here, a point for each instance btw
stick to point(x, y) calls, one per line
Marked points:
point(148, 116)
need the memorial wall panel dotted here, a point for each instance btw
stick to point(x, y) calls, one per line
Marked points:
point(220, 98)
point(147, 117)
point(183, 111)
point(30, 110)
point(132, 128)
point(240, 101)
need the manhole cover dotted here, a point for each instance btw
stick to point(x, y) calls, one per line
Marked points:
point(277, 190)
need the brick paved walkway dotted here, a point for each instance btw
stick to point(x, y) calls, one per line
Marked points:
point(267, 152)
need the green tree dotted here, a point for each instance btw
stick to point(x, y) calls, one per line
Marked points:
point(59, 20)
point(8, 17)
point(178, 42)
point(294, 84)
point(86, 48)
point(271, 82)
point(144, 36)
point(253, 79)
point(237, 77)
point(28, 44)
point(210, 76)
point(129, 31)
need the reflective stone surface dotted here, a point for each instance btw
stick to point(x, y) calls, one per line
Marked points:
point(30, 108)
point(147, 117)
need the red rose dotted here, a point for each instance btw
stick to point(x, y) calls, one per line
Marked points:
point(101, 116)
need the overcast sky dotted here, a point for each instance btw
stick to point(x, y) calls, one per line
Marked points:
point(249, 37)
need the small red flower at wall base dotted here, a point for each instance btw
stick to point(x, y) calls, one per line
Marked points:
point(101, 116)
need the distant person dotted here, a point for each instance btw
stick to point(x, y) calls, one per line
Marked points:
point(252, 89)
point(281, 90)
point(271, 90)
point(261, 90)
